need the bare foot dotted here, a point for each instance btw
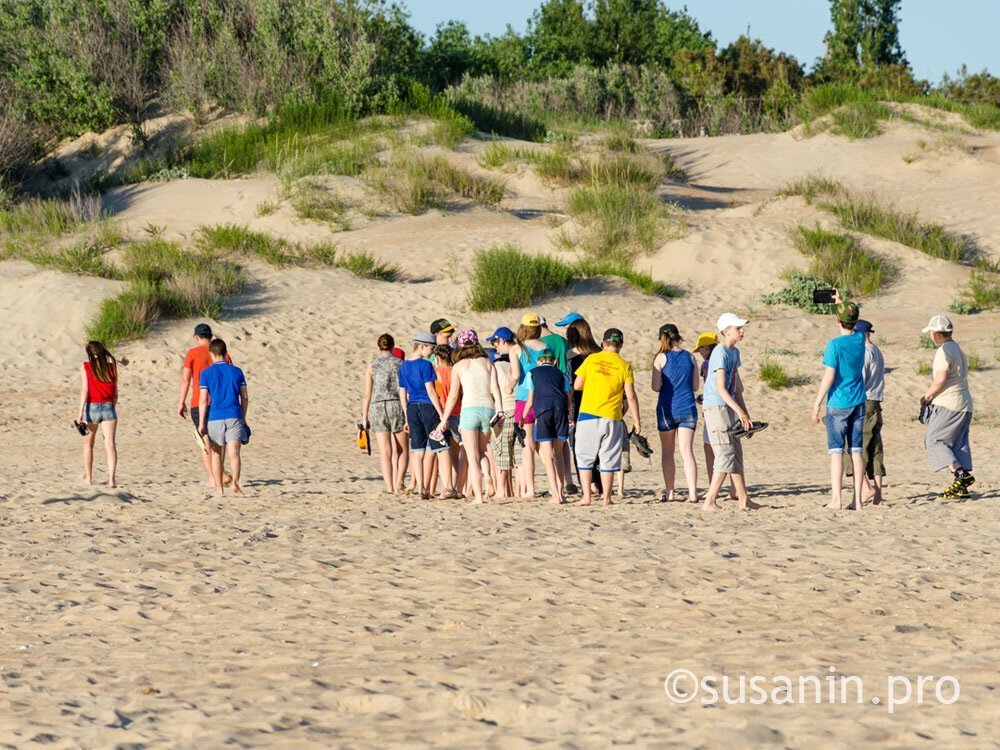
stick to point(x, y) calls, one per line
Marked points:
point(87, 480)
point(607, 502)
point(227, 479)
point(710, 507)
point(751, 505)
point(833, 506)
point(237, 490)
point(112, 484)
point(556, 501)
point(582, 502)
point(475, 501)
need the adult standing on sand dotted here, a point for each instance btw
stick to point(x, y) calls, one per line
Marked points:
point(98, 408)
point(582, 344)
point(725, 410)
point(383, 415)
point(843, 386)
point(474, 383)
point(949, 401)
point(871, 442)
point(503, 440)
point(524, 359)
point(197, 359)
point(224, 399)
point(605, 378)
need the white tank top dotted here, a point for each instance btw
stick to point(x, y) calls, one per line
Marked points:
point(475, 380)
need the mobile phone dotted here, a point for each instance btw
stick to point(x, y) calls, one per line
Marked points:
point(823, 296)
point(496, 419)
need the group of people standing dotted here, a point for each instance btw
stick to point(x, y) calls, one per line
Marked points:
point(454, 412)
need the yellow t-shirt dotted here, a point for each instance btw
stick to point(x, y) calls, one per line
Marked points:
point(604, 377)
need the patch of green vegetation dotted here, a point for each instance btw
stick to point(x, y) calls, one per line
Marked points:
point(773, 375)
point(82, 259)
point(231, 238)
point(869, 216)
point(923, 368)
point(799, 293)
point(505, 276)
point(812, 186)
point(315, 202)
point(616, 222)
point(925, 341)
point(416, 182)
point(641, 280)
point(642, 171)
point(981, 293)
point(839, 256)
point(362, 263)
point(860, 119)
point(975, 363)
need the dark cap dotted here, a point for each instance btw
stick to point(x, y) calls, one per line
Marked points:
point(863, 326)
point(613, 334)
point(203, 330)
point(441, 325)
point(848, 313)
point(503, 333)
point(669, 330)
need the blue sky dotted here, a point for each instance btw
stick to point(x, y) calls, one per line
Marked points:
point(937, 35)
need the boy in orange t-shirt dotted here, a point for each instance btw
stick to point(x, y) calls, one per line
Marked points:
point(198, 358)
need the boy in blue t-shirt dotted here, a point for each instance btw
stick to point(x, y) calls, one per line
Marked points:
point(224, 388)
point(550, 395)
point(844, 389)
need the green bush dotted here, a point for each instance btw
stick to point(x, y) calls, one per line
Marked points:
point(415, 182)
point(82, 259)
point(860, 119)
point(499, 121)
point(974, 362)
point(230, 238)
point(617, 222)
point(812, 186)
point(839, 256)
point(981, 293)
point(799, 293)
point(643, 171)
point(773, 375)
point(362, 263)
point(504, 276)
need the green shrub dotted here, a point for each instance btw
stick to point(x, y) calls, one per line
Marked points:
point(839, 256)
point(812, 186)
point(82, 259)
point(415, 182)
point(126, 316)
point(860, 119)
point(773, 375)
point(974, 362)
point(617, 222)
point(981, 293)
point(923, 368)
point(497, 155)
point(313, 201)
point(230, 238)
point(363, 263)
point(925, 341)
point(504, 276)
point(489, 119)
point(799, 293)
point(623, 170)
point(869, 216)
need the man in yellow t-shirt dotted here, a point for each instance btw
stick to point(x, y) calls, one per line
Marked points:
point(604, 379)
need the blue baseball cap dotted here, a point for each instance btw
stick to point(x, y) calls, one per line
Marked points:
point(503, 333)
point(863, 326)
point(570, 318)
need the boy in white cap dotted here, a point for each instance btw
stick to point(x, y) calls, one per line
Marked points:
point(950, 404)
point(725, 410)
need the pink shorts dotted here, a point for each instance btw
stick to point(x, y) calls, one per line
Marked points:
point(529, 418)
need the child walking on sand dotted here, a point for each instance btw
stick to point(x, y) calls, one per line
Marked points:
point(224, 399)
point(98, 408)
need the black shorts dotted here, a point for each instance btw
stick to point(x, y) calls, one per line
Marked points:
point(551, 425)
point(195, 414)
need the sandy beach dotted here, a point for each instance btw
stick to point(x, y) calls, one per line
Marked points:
point(317, 612)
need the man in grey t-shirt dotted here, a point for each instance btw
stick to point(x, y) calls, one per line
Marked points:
point(873, 376)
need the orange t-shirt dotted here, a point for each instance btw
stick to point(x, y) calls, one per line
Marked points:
point(443, 387)
point(197, 359)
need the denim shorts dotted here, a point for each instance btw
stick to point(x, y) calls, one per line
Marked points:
point(666, 422)
point(102, 411)
point(423, 420)
point(845, 426)
point(476, 418)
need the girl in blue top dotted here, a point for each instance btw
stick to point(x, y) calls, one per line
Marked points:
point(675, 379)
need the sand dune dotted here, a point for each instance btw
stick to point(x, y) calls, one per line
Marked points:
point(315, 612)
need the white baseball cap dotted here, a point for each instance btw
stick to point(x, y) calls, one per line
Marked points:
point(730, 320)
point(939, 324)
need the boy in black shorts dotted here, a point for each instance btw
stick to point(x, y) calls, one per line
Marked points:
point(550, 395)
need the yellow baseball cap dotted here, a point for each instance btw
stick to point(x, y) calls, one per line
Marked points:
point(706, 339)
point(531, 319)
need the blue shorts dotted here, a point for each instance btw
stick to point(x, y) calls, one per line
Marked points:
point(845, 427)
point(551, 425)
point(423, 420)
point(666, 422)
point(476, 418)
point(102, 411)
point(453, 423)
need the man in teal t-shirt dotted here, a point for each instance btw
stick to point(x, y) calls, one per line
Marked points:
point(843, 387)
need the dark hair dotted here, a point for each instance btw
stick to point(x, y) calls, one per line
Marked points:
point(469, 351)
point(102, 364)
point(218, 348)
point(528, 333)
point(443, 354)
point(669, 336)
point(386, 343)
point(580, 337)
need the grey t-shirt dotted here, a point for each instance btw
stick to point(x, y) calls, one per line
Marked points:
point(873, 373)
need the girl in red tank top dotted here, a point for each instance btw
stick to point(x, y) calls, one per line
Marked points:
point(98, 407)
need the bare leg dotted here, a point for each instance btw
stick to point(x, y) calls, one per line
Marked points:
point(740, 485)
point(685, 438)
point(586, 478)
point(567, 463)
point(607, 485)
point(88, 454)
point(528, 461)
point(470, 442)
point(110, 429)
point(235, 463)
point(444, 465)
point(217, 467)
point(858, 461)
point(206, 460)
point(877, 497)
point(836, 481)
point(385, 458)
point(713, 491)
point(562, 468)
point(417, 465)
point(401, 458)
point(548, 461)
point(668, 440)
point(428, 476)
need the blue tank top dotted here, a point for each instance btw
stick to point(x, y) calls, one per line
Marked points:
point(676, 393)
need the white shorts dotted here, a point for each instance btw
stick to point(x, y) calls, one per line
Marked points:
point(599, 442)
